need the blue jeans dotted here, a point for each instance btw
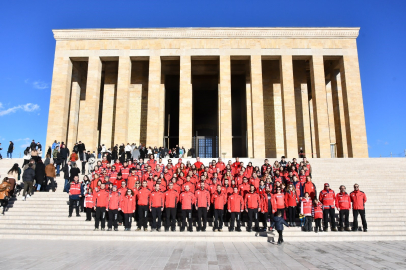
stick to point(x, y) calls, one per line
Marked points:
point(99, 156)
point(38, 187)
point(9, 155)
point(57, 168)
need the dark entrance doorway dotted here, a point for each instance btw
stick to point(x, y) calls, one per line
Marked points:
point(205, 107)
point(170, 78)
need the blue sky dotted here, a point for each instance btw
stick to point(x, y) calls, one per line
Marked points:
point(27, 51)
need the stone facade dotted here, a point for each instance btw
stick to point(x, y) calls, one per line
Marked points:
point(302, 89)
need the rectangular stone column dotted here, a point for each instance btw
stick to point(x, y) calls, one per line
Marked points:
point(330, 110)
point(288, 106)
point(313, 150)
point(278, 113)
point(90, 112)
point(307, 147)
point(134, 114)
point(226, 136)
point(257, 107)
point(249, 120)
point(74, 109)
point(122, 104)
point(161, 124)
point(110, 79)
point(154, 85)
point(185, 103)
point(320, 113)
point(353, 107)
point(339, 118)
point(60, 96)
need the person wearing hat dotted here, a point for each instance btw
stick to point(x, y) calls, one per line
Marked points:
point(327, 198)
point(114, 204)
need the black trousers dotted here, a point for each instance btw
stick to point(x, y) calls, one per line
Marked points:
point(156, 213)
point(280, 238)
point(355, 220)
point(218, 219)
point(291, 213)
point(253, 216)
point(201, 215)
point(186, 214)
point(235, 216)
point(226, 213)
point(329, 212)
point(128, 155)
point(88, 213)
point(318, 223)
point(52, 180)
point(113, 215)
point(269, 216)
point(83, 167)
point(170, 218)
point(100, 217)
point(308, 224)
point(127, 221)
point(82, 203)
point(344, 217)
point(72, 204)
point(120, 217)
point(142, 216)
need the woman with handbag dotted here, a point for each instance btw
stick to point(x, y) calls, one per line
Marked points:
point(4, 193)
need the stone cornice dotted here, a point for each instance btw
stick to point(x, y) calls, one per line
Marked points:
point(206, 33)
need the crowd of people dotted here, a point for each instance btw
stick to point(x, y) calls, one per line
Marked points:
point(233, 194)
point(136, 185)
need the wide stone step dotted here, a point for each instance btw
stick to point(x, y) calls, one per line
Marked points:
point(191, 236)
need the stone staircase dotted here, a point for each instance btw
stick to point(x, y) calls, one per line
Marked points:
point(45, 214)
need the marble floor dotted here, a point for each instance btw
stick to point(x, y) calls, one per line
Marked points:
point(47, 254)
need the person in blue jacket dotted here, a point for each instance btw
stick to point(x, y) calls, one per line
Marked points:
point(279, 222)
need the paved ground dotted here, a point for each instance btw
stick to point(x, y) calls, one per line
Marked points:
point(31, 254)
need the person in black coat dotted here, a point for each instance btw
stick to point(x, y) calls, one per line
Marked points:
point(64, 154)
point(40, 175)
point(114, 153)
point(279, 222)
point(74, 171)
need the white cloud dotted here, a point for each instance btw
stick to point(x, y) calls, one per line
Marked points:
point(25, 145)
point(25, 139)
point(40, 85)
point(29, 107)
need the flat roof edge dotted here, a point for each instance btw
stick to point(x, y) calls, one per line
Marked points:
point(207, 33)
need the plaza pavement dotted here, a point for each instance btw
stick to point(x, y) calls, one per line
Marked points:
point(48, 254)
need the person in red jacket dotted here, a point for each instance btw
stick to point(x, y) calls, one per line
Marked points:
point(218, 199)
point(291, 200)
point(127, 206)
point(279, 198)
point(114, 204)
point(100, 205)
point(235, 205)
point(171, 202)
point(327, 198)
point(317, 212)
point(202, 205)
point(343, 205)
point(252, 205)
point(132, 179)
point(143, 201)
point(89, 203)
point(156, 206)
point(358, 199)
point(306, 210)
point(187, 199)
